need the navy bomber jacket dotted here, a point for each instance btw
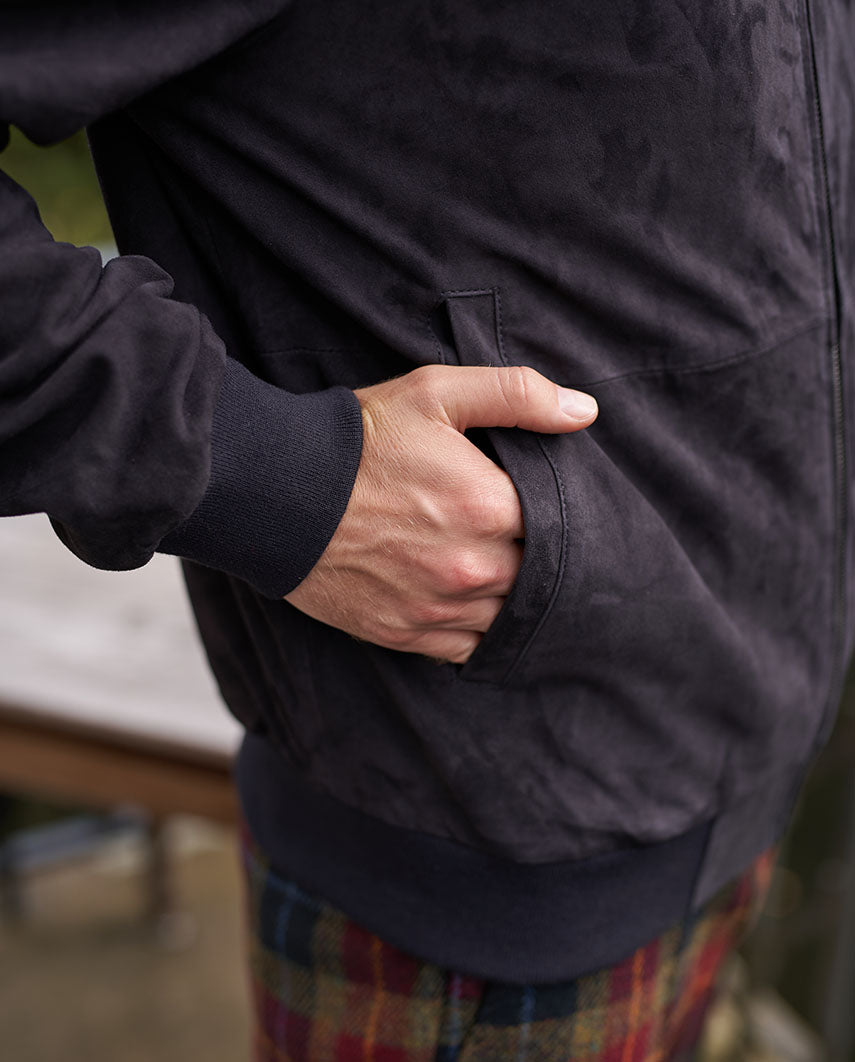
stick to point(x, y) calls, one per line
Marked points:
point(651, 200)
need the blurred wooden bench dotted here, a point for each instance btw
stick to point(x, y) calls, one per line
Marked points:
point(105, 698)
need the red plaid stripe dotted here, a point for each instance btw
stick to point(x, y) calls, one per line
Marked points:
point(327, 990)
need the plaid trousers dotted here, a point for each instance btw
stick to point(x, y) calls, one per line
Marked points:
point(326, 990)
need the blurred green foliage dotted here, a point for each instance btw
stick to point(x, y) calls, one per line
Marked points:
point(62, 181)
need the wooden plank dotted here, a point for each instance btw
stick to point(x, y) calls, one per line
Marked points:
point(105, 697)
point(84, 769)
point(45, 719)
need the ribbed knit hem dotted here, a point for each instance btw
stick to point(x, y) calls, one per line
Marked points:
point(458, 907)
point(282, 469)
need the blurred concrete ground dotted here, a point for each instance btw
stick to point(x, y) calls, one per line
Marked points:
point(86, 977)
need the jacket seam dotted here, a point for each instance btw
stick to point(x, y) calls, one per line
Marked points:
point(719, 363)
point(826, 225)
point(680, 370)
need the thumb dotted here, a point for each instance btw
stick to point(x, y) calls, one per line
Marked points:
point(514, 397)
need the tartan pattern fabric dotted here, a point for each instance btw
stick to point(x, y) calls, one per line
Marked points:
point(326, 990)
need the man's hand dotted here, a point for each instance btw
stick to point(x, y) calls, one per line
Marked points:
point(429, 546)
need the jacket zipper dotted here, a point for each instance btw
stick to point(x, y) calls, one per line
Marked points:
point(840, 500)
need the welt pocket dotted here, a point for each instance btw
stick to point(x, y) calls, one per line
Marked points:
point(467, 326)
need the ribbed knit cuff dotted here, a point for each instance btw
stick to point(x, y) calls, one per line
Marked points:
point(282, 469)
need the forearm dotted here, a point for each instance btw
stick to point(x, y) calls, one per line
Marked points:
point(108, 389)
point(124, 420)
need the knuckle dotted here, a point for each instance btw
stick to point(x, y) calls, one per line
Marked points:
point(476, 508)
point(464, 572)
point(427, 380)
point(488, 511)
point(518, 384)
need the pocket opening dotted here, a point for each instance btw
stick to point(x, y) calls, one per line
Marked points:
point(467, 328)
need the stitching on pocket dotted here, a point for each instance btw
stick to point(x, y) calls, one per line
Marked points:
point(451, 293)
point(559, 484)
point(499, 340)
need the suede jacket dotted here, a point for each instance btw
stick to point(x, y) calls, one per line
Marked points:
point(649, 200)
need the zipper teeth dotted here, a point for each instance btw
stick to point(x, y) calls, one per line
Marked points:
point(839, 608)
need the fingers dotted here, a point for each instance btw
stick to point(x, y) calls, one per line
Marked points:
point(489, 503)
point(469, 576)
point(507, 557)
point(514, 397)
point(508, 503)
point(454, 646)
point(426, 550)
point(475, 616)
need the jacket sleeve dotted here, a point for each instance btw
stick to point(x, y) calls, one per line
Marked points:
point(62, 65)
point(121, 416)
